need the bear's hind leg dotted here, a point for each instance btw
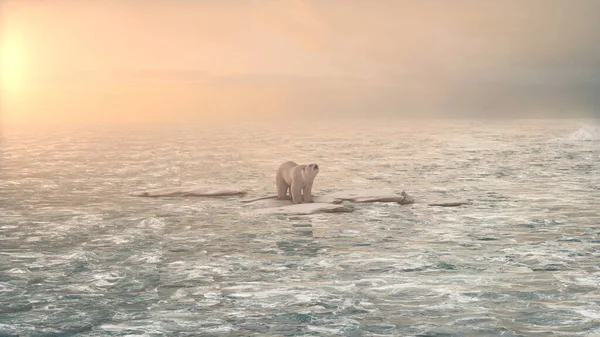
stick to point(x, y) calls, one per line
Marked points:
point(282, 185)
point(282, 189)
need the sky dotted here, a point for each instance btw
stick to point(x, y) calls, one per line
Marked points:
point(130, 61)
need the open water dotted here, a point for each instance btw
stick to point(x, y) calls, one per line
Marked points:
point(79, 256)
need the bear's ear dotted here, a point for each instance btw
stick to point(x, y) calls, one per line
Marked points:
point(316, 167)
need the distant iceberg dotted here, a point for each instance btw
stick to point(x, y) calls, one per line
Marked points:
point(586, 133)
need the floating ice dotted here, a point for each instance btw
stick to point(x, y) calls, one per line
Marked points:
point(358, 196)
point(375, 195)
point(302, 209)
point(450, 203)
point(328, 203)
point(192, 191)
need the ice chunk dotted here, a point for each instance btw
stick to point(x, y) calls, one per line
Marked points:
point(194, 191)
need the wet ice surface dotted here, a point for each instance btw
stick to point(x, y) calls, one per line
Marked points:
point(191, 191)
point(326, 203)
point(284, 207)
point(80, 256)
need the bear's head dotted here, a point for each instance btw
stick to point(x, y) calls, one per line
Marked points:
point(311, 171)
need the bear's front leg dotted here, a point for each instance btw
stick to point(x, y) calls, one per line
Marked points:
point(306, 193)
point(296, 192)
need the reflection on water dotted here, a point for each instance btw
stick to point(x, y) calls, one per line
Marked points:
point(81, 256)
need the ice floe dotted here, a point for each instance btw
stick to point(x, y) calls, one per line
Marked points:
point(303, 209)
point(374, 195)
point(328, 203)
point(192, 191)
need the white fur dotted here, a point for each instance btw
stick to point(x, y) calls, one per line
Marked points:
point(298, 179)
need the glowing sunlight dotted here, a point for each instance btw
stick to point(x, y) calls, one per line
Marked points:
point(12, 64)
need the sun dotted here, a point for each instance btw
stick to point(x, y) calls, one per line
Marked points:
point(12, 61)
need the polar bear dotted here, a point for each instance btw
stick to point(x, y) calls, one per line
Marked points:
point(298, 179)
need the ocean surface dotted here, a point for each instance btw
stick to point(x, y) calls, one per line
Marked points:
point(80, 256)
